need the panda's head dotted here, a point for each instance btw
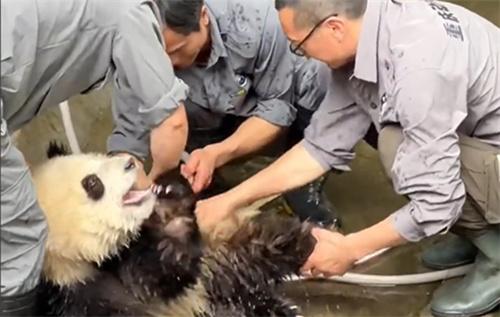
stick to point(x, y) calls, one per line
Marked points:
point(90, 204)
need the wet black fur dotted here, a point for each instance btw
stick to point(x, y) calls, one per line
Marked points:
point(244, 271)
point(157, 264)
point(56, 149)
point(260, 255)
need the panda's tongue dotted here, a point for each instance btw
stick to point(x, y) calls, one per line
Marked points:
point(135, 196)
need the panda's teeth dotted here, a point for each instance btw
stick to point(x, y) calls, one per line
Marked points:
point(168, 189)
point(156, 189)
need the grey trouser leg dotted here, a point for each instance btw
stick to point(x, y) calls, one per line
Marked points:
point(479, 172)
point(23, 229)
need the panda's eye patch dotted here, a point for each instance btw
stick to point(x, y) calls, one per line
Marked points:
point(93, 186)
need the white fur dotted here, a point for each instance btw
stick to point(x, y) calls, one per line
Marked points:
point(83, 231)
point(193, 302)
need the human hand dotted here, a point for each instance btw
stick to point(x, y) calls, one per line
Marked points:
point(200, 167)
point(212, 211)
point(332, 254)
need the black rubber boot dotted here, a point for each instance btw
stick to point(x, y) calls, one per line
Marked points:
point(310, 203)
point(20, 305)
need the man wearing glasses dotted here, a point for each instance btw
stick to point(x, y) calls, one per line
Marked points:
point(246, 88)
point(427, 74)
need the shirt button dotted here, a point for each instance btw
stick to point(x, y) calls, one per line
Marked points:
point(383, 99)
point(242, 81)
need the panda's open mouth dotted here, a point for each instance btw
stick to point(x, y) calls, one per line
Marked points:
point(136, 197)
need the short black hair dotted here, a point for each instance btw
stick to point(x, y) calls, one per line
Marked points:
point(310, 12)
point(182, 16)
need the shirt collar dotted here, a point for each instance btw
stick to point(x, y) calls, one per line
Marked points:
point(365, 65)
point(156, 12)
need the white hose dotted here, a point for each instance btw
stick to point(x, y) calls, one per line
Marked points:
point(392, 280)
point(350, 278)
point(69, 129)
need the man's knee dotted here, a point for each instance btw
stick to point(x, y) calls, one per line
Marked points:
point(389, 139)
point(472, 222)
point(481, 175)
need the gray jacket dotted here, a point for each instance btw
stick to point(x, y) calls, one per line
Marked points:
point(53, 49)
point(251, 71)
point(433, 68)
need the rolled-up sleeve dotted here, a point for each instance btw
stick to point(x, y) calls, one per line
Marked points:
point(273, 76)
point(145, 89)
point(427, 165)
point(337, 126)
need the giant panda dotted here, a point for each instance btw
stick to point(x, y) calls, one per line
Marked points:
point(125, 252)
point(92, 212)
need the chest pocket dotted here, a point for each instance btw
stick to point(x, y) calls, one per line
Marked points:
point(239, 94)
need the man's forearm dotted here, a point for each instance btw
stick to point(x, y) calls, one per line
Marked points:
point(379, 236)
point(252, 135)
point(293, 169)
point(168, 141)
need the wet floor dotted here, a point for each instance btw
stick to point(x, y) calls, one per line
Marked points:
point(363, 197)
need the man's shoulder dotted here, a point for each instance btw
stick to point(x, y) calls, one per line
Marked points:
point(246, 20)
point(420, 34)
point(240, 8)
point(111, 12)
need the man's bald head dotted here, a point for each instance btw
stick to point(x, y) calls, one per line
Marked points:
point(310, 12)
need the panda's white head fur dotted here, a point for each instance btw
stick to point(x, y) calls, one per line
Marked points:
point(91, 211)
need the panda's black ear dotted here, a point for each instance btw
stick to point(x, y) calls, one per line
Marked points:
point(56, 149)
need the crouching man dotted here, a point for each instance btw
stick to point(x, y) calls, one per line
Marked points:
point(246, 88)
point(52, 50)
point(428, 75)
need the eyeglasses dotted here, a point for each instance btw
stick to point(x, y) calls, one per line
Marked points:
point(297, 48)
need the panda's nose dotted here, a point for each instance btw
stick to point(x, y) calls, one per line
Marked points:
point(130, 165)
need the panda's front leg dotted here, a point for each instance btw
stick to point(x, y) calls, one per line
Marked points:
point(159, 268)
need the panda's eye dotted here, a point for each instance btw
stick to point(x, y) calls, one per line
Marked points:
point(93, 186)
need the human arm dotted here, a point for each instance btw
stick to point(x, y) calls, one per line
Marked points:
point(147, 97)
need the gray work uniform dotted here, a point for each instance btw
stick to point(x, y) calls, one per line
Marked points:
point(250, 71)
point(51, 50)
point(434, 69)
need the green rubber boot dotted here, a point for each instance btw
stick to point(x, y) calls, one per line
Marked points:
point(478, 292)
point(453, 251)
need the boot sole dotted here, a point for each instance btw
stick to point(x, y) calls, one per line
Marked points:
point(490, 308)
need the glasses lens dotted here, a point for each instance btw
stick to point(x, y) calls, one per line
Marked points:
point(295, 49)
